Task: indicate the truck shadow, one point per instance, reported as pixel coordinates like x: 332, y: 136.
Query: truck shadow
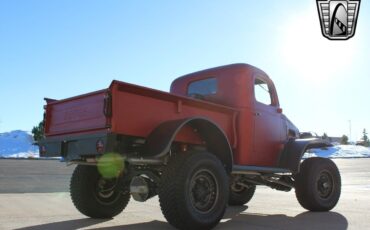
x: 306, y: 220
x: 235, y: 218
x: 69, y: 224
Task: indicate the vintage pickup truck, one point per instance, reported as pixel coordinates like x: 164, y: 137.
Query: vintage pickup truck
x: 201, y: 147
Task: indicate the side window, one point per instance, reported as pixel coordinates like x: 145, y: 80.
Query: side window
x: 261, y: 92
x: 203, y: 87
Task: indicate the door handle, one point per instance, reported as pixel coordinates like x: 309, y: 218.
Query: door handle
x: 257, y: 114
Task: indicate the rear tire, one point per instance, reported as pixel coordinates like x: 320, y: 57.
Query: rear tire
x: 95, y: 196
x: 193, y: 193
x: 318, y: 184
x: 241, y: 195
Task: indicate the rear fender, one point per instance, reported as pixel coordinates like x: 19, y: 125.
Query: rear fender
x: 294, y: 149
x: 159, y: 141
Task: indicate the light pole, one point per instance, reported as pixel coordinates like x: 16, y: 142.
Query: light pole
x: 350, y: 130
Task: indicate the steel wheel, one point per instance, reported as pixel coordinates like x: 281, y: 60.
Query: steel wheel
x: 106, y: 191
x: 325, y: 184
x: 204, y: 191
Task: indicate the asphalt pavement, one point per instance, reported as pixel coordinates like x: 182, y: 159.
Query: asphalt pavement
x: 34, y: 195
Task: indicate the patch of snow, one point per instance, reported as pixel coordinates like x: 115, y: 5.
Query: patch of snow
x: 18, y: 144
x: 340, y: 151
x: 309, y: 154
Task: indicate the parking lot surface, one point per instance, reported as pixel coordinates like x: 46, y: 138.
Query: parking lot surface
x: 34, y: 195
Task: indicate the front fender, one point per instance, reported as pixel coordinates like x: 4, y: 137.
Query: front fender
x: 294, y: 149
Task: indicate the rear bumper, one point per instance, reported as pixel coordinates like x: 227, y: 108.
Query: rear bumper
x: 77, y: 147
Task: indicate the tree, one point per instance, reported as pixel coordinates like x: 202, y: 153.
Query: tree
x: 365, y: 138
x: 344, y: 140
x: 38, y: 131
x: 325, y: 136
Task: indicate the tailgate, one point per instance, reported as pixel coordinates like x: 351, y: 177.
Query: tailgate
x: 77, y: 114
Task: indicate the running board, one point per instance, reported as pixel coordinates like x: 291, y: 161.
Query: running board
x: 256, y: 170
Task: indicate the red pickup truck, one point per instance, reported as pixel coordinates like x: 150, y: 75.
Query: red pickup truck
x: 203, y: 146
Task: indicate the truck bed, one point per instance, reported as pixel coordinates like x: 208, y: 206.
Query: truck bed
x: 131, y: 110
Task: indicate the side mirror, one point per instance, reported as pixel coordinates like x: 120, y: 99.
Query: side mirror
x: 279, y: 110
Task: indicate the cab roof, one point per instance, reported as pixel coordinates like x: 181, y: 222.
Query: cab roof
x: 227, y: 71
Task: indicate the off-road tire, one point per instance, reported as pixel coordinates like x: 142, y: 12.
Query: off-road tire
x: 238, y: 198
x: 88, y: 197
x: 318, y: 184
x: 193, y: 192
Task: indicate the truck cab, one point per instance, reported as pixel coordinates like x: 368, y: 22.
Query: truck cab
x: 262, y: 129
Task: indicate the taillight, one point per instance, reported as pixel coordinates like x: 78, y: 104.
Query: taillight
x: 42, y: 149
x: 100, y: 146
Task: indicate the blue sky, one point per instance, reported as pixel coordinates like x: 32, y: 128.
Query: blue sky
x: 59, y: 49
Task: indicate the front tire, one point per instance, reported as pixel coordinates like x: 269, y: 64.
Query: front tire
x: 193, y: 193
x: 318, y: 184
x: 95, y: 196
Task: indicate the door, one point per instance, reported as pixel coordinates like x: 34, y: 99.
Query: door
x: 267, y: 123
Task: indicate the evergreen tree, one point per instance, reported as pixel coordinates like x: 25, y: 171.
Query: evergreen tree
x: 38, y: 131
x: 344, y: 140
x: 365, y: 138
x: 325, y: 136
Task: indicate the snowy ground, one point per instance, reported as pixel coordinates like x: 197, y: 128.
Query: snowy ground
x: 19, y: 144
x: 340, y: 151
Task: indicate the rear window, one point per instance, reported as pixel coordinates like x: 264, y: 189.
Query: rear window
x: 203, y: 87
